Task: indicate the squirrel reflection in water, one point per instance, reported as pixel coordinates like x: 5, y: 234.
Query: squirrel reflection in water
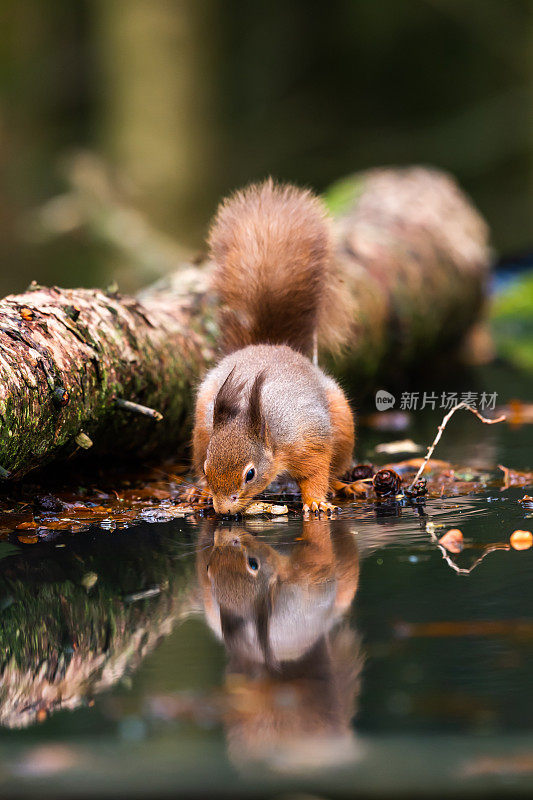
x: 293, y: 663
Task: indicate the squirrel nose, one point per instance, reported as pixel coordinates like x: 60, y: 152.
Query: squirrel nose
x: 224, y: 538
x: 226, y: 504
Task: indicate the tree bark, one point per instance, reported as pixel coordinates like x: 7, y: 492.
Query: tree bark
x: 415, y: 257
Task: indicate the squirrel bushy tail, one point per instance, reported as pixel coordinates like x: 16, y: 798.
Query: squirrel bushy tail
x: 275, y: 272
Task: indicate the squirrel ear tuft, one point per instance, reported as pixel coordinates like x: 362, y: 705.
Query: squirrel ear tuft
x: 226, y: 405
x: 231, y: 626
x: 255, y: 412
x: 263, y: 612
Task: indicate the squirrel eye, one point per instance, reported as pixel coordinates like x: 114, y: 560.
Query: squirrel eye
x: 253, y: 563
x: 250, y: 475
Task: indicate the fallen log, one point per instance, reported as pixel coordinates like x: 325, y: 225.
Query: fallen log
x: 88, y: 369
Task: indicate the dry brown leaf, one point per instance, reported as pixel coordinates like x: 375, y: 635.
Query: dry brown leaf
x: 28, y: 539
x: 452, y: 540
x: 521, y: 540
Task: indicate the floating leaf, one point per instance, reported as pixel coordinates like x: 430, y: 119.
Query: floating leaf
x: 521, y: 540
x: 28, y: 539
x: 452, y: 540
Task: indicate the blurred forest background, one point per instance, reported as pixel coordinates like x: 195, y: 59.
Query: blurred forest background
x: 122, y: 122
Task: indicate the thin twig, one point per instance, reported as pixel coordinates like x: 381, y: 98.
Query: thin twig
x: 467, y: 570
x: 441, y: 430
x: 127, y: 405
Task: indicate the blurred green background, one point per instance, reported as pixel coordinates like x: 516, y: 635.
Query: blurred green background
x: 122, y: 122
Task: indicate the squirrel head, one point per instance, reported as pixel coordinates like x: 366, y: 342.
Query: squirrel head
x: 240, y: 462
x: 243, y: 573
x: 242, y: 569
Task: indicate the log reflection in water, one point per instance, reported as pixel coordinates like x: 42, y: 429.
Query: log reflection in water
x: 63, y: 640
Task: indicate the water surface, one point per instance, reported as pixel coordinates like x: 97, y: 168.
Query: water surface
x: 358, y: 660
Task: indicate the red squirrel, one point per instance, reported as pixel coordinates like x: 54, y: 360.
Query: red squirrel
x: 265, y: 408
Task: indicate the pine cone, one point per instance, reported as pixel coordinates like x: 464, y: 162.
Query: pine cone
x: 358, y: 473
x: 418, y: 489
x: 386, y: 483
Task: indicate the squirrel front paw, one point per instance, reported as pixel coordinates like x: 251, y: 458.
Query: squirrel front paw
x: 320, y: 506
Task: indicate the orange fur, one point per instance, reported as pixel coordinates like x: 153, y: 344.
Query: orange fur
x: 276, y: 274
x: 308, y: 462
x: 201, y: 433
x: 314, y: 486
x: 316, y: 464
x: 342, y: 424
x: 272, y: 410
